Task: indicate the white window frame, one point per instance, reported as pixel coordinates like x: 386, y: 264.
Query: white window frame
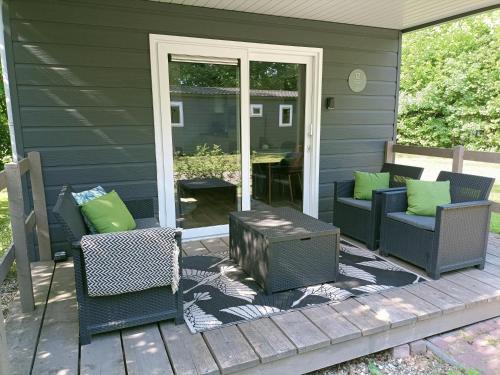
x: 163, y: 45
x: 285, y: 124
x: 179, y: 105
x: 261, y: 110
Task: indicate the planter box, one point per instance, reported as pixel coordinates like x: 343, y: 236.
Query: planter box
x: 282, y: 248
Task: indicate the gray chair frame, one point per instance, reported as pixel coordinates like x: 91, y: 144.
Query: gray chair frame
x: 460, y: 236
x: 103, y: 314
x: 361, y: 224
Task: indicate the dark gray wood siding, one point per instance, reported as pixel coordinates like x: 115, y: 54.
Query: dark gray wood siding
x: 82, y: 87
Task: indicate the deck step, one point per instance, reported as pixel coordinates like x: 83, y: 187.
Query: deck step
x: 188, y: 352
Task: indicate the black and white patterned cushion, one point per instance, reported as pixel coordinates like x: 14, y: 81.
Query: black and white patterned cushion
x: 124, y: 262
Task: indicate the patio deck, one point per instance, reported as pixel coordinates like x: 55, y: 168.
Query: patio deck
x: 46, y: 341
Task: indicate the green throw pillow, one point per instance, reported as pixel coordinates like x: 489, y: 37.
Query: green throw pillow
x: 425, y: 196
x: 108, y: 213
x: 365, y: 182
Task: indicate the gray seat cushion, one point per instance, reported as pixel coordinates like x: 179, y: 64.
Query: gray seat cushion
x: 424, y: 222
x: 149, y: 222
x: 365, y: 205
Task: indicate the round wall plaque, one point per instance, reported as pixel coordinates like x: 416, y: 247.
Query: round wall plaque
x: 357, y: 80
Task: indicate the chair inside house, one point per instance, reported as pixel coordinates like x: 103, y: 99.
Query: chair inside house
x: 117, y: 310
x: 360, y: 219
x: 456, y: 237
x: 288, y: 176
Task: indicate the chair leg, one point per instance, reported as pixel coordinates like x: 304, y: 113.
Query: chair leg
x: 433, y: 274
x: 85, y: 337
x: 290, y: 187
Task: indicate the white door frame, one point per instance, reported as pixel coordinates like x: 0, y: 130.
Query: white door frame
x: 163, y: 45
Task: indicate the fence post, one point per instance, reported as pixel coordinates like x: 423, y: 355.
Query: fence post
x: 390, y: 156
x: 17, y: 219
x: 4, y: 354
x: 39, y: 206
x: 458, y: 159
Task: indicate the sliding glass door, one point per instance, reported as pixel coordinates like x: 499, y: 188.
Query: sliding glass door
x: 234, y: 128
x: 277, y: 133
x: 206, y: 133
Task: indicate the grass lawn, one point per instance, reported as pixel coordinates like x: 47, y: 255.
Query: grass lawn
x: 5, y: 232
x: 495, y: 216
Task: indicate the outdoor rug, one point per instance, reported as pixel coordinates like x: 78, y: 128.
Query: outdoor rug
x: 218, y: 293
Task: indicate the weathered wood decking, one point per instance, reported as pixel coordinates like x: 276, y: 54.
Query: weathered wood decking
x: 46, y: 341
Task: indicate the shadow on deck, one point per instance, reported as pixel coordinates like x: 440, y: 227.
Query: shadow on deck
x: 46, y: 341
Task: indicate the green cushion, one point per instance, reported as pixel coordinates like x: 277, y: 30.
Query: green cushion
x: 365, y: 182
x: 425, y: 196
x: 108, y: 213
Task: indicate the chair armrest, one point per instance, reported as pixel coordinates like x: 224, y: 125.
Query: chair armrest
x: 394, y: 201
x: 343, y: 189
x: 463, y: 205
x: 76, y: 245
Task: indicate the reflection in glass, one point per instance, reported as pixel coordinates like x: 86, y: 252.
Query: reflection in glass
x: 207, y: 160
x: 277, y: 137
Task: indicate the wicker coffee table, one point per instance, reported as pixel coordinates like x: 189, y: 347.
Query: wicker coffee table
x: 282, y: 248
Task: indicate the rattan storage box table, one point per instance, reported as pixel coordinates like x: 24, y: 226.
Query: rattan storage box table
x: 282, y: 248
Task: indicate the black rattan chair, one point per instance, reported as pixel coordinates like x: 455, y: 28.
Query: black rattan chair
x: 360, y: 219
x: 456, y: 238
x: 102, y: 314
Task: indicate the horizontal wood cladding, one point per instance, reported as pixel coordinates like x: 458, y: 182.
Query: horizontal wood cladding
x: 83, y: 80
x: 334, y: 76
x: 129, y: 135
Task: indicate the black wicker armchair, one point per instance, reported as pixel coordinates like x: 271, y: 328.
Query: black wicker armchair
x: 102, y: 314
x: 360, y: 219
x: 456, y: 238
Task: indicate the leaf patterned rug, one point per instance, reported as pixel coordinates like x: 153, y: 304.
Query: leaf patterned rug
x: 218, y: 292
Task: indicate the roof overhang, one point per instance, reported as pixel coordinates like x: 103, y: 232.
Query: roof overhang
x: 405, y: 15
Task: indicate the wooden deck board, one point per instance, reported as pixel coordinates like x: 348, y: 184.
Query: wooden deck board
x: 103, y: 355
x: 188, y: 352
x: 361, y: 316
x: 267, y: 340
x: 442, y: 300
x: 22, y: 328
x: 493, y: 259
x: 492, y: 269
x: 387, y: 310
x: 485, y: 291
x: 332, y: 323
x: 301, y: 331
x: 145, y: 352
x: 456, y: 291
x: 484, y: 277
x: 57, y: 351
x: 192, y: 248
x: 215, y: 245
x: 231, y: 350
x: 411, y: 303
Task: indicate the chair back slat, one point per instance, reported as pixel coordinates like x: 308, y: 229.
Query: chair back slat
x: 467, y: 187
x: 400, y: 173
x: 68, y: 214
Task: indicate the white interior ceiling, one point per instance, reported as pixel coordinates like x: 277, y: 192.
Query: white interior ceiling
x: 392, y: 14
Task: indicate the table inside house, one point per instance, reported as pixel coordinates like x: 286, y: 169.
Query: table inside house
x: 205, y: 201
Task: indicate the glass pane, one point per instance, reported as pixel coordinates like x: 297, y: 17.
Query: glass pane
x: 175, y: 114
x: 207, y: 162
x: 277, y: 137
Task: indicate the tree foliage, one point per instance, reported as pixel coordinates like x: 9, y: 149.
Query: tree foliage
x: 450, y: 85
x: 5, y: 149
x: 263, y: 75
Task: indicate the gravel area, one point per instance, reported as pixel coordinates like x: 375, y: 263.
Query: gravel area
x: 382, y: 363
x: 8, y: 290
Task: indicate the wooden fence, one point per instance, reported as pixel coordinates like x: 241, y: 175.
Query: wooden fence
x: 22, y: 226
x: 458, y: 154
